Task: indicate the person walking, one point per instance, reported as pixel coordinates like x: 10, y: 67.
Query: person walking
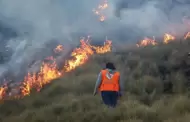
x: 109, y: 84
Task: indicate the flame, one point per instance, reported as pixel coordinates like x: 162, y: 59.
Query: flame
x: 80, y: 56
x: 58, y: 49
x: 49, y: 69
x: 102, y: 18
x: 168, y: 38
x: 146, y: 41
x: 100, y: 9
x: 48, y: 72
x: 187, y: 36
x: 103, y: 49
x: 2, y: 90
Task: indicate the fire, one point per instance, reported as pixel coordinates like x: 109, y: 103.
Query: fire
x: 2, y: 90
x: 168, y: 38
x: 58, y: 49
x: 187, y: 36
x: 80, y: 56
x: 146, y: 41
x: 102, y: 18
x: 48, y: 72
x: 49, y: 69
x: 103, y: 49
x: 100, y: 9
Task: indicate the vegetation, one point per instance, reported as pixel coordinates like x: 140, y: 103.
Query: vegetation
x: 156, y: 90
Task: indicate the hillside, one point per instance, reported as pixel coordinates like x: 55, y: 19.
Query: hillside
x: 156, y: 90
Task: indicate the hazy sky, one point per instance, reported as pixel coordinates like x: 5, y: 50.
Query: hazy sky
x: 48, y: 19
x: 40, y: 21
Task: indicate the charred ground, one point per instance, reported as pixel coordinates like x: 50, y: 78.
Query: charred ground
x: 156, y: 90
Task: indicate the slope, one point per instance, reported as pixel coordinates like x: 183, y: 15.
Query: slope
x: 156, y: 90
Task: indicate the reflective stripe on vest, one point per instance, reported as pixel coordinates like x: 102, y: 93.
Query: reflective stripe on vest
x: 110, y: 82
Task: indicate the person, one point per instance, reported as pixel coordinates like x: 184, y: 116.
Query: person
x: 109, y: 84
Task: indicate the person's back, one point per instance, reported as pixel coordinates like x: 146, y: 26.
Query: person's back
x: 108, y: 83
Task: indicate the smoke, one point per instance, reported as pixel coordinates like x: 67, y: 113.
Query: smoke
x: 39, y: 25
x: 45, y: 19
x: 154, y: 17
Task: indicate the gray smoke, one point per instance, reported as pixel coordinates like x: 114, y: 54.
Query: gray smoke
x: 155, y: 17
x: 30, y: 29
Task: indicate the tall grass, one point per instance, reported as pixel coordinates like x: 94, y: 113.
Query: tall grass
x: 156, y: 90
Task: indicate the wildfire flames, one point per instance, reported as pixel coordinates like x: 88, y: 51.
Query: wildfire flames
x: 1, y: 92
x: 100, y: 9
x: 167, y: 38
x: 49, y: 70
x: 79, y: 56
x: 187, y: 35
x: 58, y: 49
x: 147, y: 41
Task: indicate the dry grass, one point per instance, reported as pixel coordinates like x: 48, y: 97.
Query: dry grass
x: 146, y: 73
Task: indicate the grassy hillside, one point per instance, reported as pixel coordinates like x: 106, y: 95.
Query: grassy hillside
x: 156, y: 90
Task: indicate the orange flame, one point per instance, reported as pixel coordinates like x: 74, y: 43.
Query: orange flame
x: 49, y: 70
x: 100, y: 9
x: 168, y: 38
x: 80, y: 56
x: 187, y: 36
x: 102, y: 18
x: 2, y: 90
x: 36, y: 81
x: 103, y: 49
x: 58, y: 49
x: 146, y: 41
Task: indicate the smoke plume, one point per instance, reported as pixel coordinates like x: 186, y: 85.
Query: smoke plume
x: 30, y: 29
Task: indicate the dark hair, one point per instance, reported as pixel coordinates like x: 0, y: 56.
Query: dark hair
x: 110, y: 65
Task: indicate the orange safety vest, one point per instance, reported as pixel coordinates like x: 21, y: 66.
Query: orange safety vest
x: 109, y: 83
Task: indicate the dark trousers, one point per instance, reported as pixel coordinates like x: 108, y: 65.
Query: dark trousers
x: 110, y: 98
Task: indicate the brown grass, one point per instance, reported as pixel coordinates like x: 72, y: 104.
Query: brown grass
x: 147, y: 98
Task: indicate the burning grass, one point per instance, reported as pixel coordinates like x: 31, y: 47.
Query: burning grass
x: 156, y: 80
x: 49, y: 70
x: 99, y: 10
x: 156, y: 90
x: 166, y: 39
